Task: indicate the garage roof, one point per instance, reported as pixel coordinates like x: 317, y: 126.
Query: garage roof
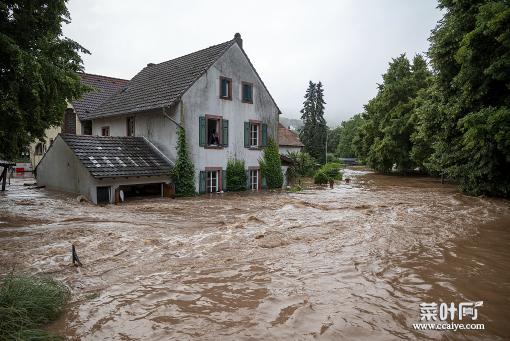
x: 110, y: 156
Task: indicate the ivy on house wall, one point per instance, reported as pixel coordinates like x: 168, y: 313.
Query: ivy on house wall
x: 184, y: 170
x: 270, y: 166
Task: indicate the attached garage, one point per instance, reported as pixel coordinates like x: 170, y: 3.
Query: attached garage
x: 105, y: 168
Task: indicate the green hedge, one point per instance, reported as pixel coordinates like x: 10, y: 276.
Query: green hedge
x: 236, y: 175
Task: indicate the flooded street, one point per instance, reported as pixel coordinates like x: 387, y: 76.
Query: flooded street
x: 350, y: 263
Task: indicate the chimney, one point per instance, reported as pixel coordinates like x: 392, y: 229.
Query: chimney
x: 237, y: 37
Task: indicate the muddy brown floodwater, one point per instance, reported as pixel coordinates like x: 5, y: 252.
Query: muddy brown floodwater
x: 351, y: 263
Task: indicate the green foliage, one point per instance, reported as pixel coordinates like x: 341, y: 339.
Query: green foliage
x: 293, y: 188
x: 345, y: 146
x: 184, y: 171
x: 28, y: 301
x: 464, y: 119
x: 320, y: 177
x: 332, y: 170
x: 236, y: 175
x: 314, y: 132
x: 270, y: 165
x: 37, y: 71
x: 303, y: 163
x: 385, y: 138
x: 92, y: 296
x: 334, y: 139
x: 333, y: 159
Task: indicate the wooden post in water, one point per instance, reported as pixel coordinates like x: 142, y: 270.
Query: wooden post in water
x: 75, y: 258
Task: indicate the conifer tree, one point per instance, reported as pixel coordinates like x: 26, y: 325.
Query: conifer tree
x: 314, y: 132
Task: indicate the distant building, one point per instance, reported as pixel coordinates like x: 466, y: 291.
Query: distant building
x: 76, y: 116
x: 288, y: 141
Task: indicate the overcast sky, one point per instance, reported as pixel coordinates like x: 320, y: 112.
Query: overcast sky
x: 345, y: 44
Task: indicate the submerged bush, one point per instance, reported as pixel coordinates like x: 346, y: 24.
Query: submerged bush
x: 320, y: 177
x: 236, y: 175
x: 332, y: 170
x: 270, y: 165
x: 28, y: 301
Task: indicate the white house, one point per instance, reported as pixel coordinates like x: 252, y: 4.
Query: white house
x: 288, y: 141
x: 216, y: 89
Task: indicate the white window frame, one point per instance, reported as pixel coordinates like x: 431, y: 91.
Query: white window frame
x: 254, y: 179
x: 254, y: 134
x: 212, y: 182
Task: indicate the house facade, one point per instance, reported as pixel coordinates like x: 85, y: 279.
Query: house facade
x: 75, y: 119
x: 215, y: 90
x: 288, y: 141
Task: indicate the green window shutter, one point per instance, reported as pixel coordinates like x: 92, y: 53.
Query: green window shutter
x: 202, y: 186
x: 264, y: 136
x: 249, y: 93
x: 264, y: 182
x: 224, y: 88
x: 224, y: 180
x: 246, y: 134
x: 202, y: 136
x: 248, y: 181
x: 224, y: 133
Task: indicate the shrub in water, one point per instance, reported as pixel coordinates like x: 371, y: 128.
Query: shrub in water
x: 332, y: 170
x: 236, y: 175
x: 270, y: 166
x: 27, y: 301
x: 320, y: 177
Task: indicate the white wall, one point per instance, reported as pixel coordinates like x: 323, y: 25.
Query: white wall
x: 61, y: 169
x: 284, y: 150
x: 200, y: 100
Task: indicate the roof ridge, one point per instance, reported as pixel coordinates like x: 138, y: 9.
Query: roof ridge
x: 191, y: 67
x: 187, y: 55
x: 92, y: 74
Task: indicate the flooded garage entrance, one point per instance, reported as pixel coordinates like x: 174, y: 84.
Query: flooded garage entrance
x: 353, y: 262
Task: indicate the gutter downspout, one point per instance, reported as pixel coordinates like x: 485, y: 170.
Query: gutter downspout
x: 171, y: 119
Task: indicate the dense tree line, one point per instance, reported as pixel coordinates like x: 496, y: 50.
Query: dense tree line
x: 455, y: 119
x: 37, y: 71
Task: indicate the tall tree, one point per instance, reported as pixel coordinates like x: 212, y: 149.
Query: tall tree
x: 333, y: 139
x: 345, y: 146
x: 314, y: 132
x: 466, y: 116
x: 37, y: 71
x: 385, y: 138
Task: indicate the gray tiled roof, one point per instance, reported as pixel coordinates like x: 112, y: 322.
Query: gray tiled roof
x: 108, y: 157
x: 92, y: 100
x: 160, y: 85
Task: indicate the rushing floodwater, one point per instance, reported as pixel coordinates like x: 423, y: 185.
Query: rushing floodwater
x: 351, y: 263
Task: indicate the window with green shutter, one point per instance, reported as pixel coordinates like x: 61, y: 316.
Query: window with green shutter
x: 247, y: 134
x: 264, y: 135
x: 224, y: 133
x: 202, y: 136
x: 226, y: 88
x: 202, y: 183
x: 247, y: 92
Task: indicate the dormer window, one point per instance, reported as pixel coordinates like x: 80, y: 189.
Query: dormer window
x: 247, y: 92
x: 226, y: 88
x: 130, y: 126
